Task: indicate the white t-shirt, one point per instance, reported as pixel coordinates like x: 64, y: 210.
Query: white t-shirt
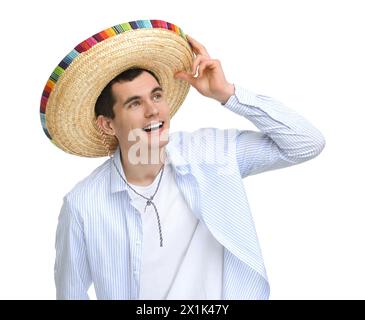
x: 190, y: 263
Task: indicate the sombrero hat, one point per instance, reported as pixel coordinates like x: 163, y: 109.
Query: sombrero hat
x: 68, y: 101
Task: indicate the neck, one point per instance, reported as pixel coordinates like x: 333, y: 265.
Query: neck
x: 141, y: 174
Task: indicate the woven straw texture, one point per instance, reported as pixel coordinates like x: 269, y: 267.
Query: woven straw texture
x: 68, y: 100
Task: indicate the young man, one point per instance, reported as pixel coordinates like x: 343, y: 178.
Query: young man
x: 176, y: 225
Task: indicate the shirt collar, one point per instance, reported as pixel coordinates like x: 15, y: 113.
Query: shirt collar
x: 173, y: 157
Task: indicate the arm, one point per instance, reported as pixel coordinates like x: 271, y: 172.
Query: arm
x: 72, y: 274
x: 285, y: 139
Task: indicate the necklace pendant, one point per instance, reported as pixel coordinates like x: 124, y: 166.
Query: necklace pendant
x: 148, y: 203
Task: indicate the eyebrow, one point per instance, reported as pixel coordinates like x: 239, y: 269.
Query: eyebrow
x: 130, y: 99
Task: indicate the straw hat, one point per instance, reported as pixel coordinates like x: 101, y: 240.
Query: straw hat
x: 69, y: 97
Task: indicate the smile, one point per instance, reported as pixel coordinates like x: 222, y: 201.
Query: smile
x: 154, y: 126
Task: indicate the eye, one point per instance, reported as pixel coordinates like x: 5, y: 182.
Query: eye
x: 134, y: 104
x: 157, y: 97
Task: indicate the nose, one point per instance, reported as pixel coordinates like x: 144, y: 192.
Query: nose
x: 151, y: 109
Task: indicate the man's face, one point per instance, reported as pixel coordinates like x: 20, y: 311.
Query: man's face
x: 141, y: 113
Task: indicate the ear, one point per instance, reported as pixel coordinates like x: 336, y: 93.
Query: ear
x: 105, y: 124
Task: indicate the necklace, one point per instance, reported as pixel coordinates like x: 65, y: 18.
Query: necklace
x: 149, y: 201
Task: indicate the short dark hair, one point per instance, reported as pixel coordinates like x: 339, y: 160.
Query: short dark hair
x: 106, y: 100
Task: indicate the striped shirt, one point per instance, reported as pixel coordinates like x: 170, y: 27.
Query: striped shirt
x: 99, y: 233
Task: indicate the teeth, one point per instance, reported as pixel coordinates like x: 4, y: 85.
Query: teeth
x: 153, y: 126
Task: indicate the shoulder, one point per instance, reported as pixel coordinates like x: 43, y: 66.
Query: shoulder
x: 96, y: 183
x: 205, y: 146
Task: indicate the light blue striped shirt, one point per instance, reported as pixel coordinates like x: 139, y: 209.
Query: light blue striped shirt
x: 99, y: 234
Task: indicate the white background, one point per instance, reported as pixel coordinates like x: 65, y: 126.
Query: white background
x: 308, y: 54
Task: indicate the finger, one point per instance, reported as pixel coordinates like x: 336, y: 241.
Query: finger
x: 197, y: 61
x: 197, y: 47
x: 182, y: 75
x: 207, y: 64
